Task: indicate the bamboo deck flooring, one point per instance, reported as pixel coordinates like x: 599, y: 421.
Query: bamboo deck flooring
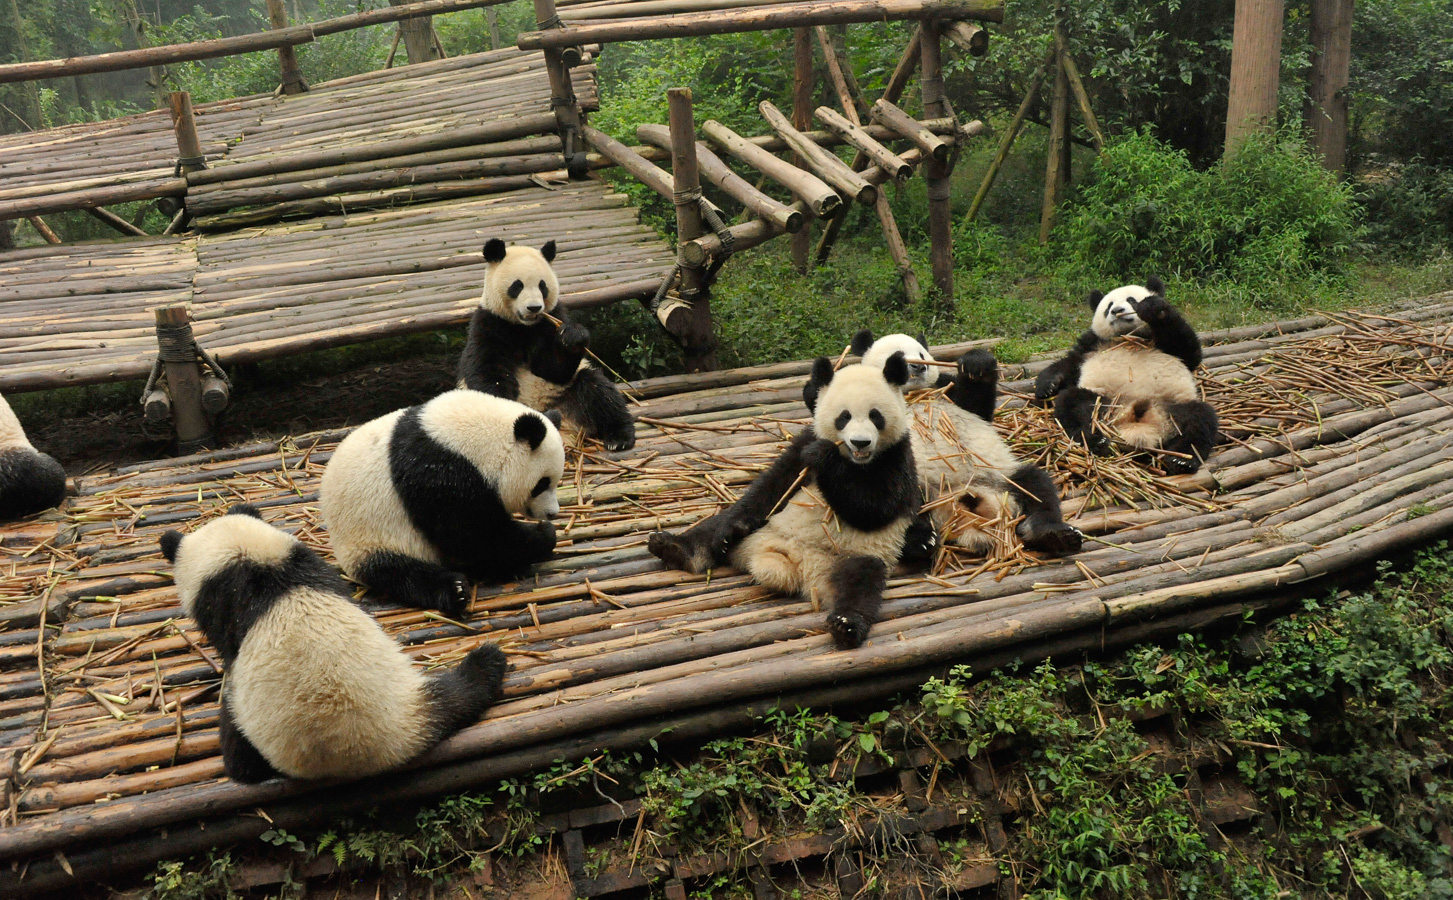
x: 1340, y: 451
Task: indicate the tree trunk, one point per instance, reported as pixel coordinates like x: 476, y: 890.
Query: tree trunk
x: 802, y: 94
x: 1255, y: 69
x: 418, y: 35
x: 1327, y: 87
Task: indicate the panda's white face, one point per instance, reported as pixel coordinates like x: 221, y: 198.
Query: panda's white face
x: 919, y: 376
x: 520, y: 447
x: 234, y: 538
x: 519, y: 284
x: 1115, y: 316
x: 862, y: 411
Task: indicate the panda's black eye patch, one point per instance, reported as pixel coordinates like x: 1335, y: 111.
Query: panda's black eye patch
x: 541, y: 487
x: 843, y: 418
x: 544, y: 290
x: 516, y: 288
x: 877, y: 419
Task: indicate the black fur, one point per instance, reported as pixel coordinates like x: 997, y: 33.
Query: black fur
x: 30, y: 481
x: 458, y: 511
x: 498, y: 349
x: 242, y: 762
x: 415, y: 582
x: 1074, y: 409
x: 1043, y: 528
x: 1199, y: 428
x: 920, y: 541
x: 530, y: 429
x: 459, y: 696
x: 1169, y: 329
x: 862, y: 341
x: 857, y: 585
x: 1065, y: 372
x: 821, y: 377
x: 494, y: 250
x: 868, y: 496
x: 975, y: 388
x: 895, y: 370
x: 712, y: 539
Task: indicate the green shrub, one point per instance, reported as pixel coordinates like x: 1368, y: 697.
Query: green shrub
x: 1266, y: 214
x: 1410, y: 210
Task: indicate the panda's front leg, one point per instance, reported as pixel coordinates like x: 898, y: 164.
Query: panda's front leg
x: 1074, y: 409
x: 1198, y: 428
x: 1044, y: 529
x: 242, y: 762
x: 856, y: 586
x: 415, y: 582
x: 976, y: 387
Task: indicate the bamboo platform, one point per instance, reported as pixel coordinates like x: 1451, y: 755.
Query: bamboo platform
x: 1339, y: 453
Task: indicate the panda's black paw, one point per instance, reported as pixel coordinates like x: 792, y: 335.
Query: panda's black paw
x: 620, y: 439
x: 979, y: 365
x: 453, y: 601
x: 671, y: 550
x: 574, y: 336
x: 1052, y: 539
x: 485, y: 666
x: 1099, y: 445
x: 1151, y: 309
x: 819, y: 452
x: 920, y: 543
x: 849, y: 630
x: 1179, y: 465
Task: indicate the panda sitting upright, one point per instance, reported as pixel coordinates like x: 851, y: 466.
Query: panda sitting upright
x: 314, y: 688
x: 958, y: 452
x: 514, y: 351
x: 1136, y: 367
x: 421, y: 499
x: 30, y: 481
x: 836, y: 536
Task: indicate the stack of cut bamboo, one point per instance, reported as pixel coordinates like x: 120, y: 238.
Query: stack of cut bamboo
x: 111, y: 712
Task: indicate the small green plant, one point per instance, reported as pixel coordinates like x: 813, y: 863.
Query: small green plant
x: 280, y: 838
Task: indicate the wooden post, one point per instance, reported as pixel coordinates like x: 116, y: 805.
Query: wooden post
x: 1059, y: 107
x: 801, y: 118
x: 1005, y: 143
x: 292, y: 76
x: 936, y: 172
x: 1255, y: 69
x: 189, y: 146
x: 562, y: 94
x: 491, y: 18
x: 1327, y: 90
x: 178, y: 353
x: 39, y: 225
x: 690, y: 321
x: 418, y: 35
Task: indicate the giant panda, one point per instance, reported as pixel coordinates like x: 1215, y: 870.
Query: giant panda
x: 514, y: 351
x: 421, y: 499
x: 835, y: 537
x: 30, y: 481
x: 314, y: 688
x: 958, y: 452
x: 1134, y: 371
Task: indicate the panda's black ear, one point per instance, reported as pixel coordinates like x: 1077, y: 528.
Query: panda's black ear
x: 896, y: 369
x: 548, y: 251
x: 494, y: 250
x: 530, y: 428
x: 1155, y: 285
x: 169, y: 544
x: 244, y: 509
x: 923, y: 340
x: 1094, y: 299
x: 554, y: 416
x: 861, y: 342
x: 821, y: 377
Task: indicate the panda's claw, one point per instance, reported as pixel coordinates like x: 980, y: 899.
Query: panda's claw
x: 1057, y: 539
x: 574, y: 336
x: 454, y: 602
x: 848, y: 631
x: 1179, y: 465
x: 979, y: 365
x: 1151, y: 308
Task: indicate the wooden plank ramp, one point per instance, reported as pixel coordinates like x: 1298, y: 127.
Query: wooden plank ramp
x: 1338, y: 453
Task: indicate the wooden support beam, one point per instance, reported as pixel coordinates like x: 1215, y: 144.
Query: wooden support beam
x: 689, y: 320
x: 973, y: 39
x: 763, y: 18
x: 568, y: 117
x: 821, y: 200
x: 1054, y: 174
x: 838, y: 72
x: 418, y: 36
x: 1006, y: 142
x: 945, y: 128
x: 886, y: 113
x: 802, y: 89
x: 292, y: 76
x: 822, y: 162
x: 645, y: 171
x: 787, y: 218
x: 178, y: 352
x: 184, y: 124
x: 45, y: 231
x: 937, y: 169
x: 1082, y: 98
x: 853, y: 134
x: 115, y: 221
x: 907, y: 65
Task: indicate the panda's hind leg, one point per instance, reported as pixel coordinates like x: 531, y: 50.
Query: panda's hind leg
x: 856, y: 585
x: 459, y: 696
x: 1044, y: 528
x: 1074, y: 409
x: 30, y: 481
x: 242, y: 762
x: 599, y: 409
x: 415, y: 582
x: 1197, y: 425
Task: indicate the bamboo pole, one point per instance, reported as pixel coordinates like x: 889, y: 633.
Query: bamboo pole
x: 1054, y: 176
x: 764, y: 18
x: 888, y: 114
x: 938, y: 170
x: 820, y: 199
x: 183, y: 378
x: 115, y: 221
x: 783, y: 217
x: 43, y: 229
x: 823, y: 163
x: 1082, y: 98
x: 690, y: 322
x: 853, y: 134
x: 802, y: 84
x: 973, y: 39
x: 292, y: 76
x: 1005, y: 143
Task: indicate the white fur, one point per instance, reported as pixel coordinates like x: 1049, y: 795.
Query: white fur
x: 528, y: 266
x: 958, y: 454
x: 539, y: 393
x: 11, y: 434
x: 859, y: 390
x: 362, y: 509
x: 1139, y: 381
x: 317, y: 686
x: 920, y: 376
x: 1114, y: 316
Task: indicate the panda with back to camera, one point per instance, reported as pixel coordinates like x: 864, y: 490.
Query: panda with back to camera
x: 850, y: 520
x: 1135, y: 368
x: 423, y: 499
x: 514, y: 351
x: 30, y: 481
x: 314, y: 688
x: 958, y: 451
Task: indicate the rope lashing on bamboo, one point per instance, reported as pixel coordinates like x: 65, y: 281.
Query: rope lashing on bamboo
x: 175, y: 343
x: 185, y: 161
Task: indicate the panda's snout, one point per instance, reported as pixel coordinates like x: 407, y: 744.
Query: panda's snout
x: 534, y: 308
x: 860, y: 443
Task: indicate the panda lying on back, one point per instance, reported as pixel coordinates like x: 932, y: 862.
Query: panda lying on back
x: 314, y: 688
x: 514, y: 351
x: 422, y: 499
x: 30, y: 481
x: 837, y: 535
x: 1136, y: 367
